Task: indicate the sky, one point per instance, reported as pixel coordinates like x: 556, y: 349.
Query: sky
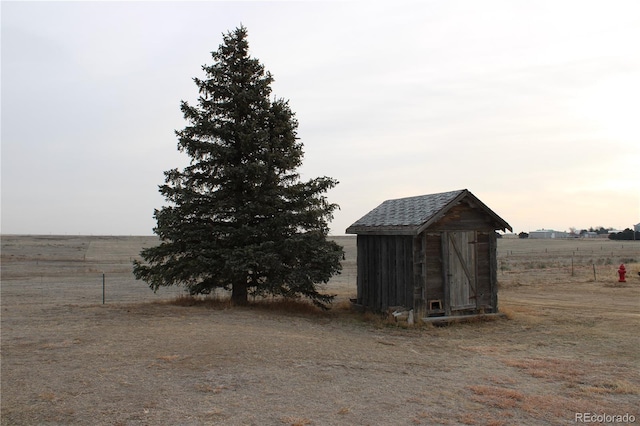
x: 532, y: 106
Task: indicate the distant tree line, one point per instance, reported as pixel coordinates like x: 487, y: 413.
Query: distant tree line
x: 598, y: 230
x: 627, y: 234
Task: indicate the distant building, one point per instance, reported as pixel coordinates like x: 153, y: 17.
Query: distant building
x: 548, y: 233
x: 636, y: 227
x: 510, y: 236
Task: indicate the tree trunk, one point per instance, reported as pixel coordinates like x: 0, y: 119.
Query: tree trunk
x: 239, y: 294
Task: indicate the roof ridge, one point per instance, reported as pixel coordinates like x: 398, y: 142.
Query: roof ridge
x: 458, y: 191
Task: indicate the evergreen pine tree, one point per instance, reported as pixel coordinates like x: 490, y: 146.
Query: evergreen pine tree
x: 239, y: 216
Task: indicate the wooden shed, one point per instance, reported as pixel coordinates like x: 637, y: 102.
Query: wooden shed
x: 435, y: 254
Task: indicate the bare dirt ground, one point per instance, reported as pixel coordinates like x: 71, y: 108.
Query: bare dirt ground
x: 570, y: 345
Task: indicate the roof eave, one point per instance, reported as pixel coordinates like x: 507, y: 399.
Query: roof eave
x: 381, y: 230
x: 500, y: 222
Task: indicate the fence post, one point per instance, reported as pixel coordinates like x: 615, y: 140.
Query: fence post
x: 103, y: 288
x: 572, y: 266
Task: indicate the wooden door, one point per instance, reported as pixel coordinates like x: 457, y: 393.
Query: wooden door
x: 462, y: 270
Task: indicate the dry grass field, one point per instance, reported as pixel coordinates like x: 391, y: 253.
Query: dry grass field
x: 570, y: 344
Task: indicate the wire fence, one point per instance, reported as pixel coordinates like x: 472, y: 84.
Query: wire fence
x: 563, y: 252
x: 88, y: 288
x: 558, y: 260
x: 96, y: 270
x: 74, y: 270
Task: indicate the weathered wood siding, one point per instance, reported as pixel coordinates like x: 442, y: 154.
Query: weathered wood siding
x: 434, y: 291
x: 486, y: 246
x: 419, y: 273
x: 463, y: 217
x: 385, y: 271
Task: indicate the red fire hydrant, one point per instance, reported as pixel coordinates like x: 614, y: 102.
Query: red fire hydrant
x: 622, y: 272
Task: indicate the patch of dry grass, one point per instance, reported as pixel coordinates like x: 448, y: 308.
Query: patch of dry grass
x: 221, y: 302
x: 508, y: 313
x: 185, y: 300
x: 497, y: 397
x: 482, y: 350
x: 296, y: 421
x: 343, y: 305
x: 205, y: 388
x: 502, y: 380
x: 549, y: 406
x: 617, y: 284
x: 615, y: 386
x: 169, y: 358
x: 527, y: 315
x: 551, y: 369
x: 287, y: 305
x: 587, y: 378
x: 509, y: 400
x: 48, y: 396
x: 483, y: 418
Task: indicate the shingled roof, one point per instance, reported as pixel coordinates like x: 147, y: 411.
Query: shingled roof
x: 411, y: 215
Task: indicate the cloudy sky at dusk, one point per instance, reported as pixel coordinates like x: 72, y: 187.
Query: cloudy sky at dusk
x: 532, y: 106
